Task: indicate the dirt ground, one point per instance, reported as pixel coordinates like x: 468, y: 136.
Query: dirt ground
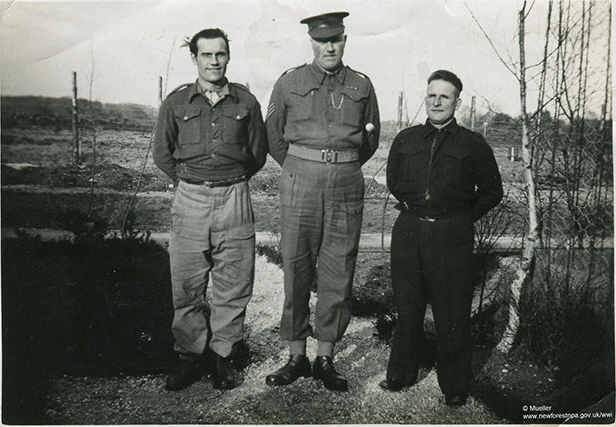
x: 361, y: 356
x: 42, y: 182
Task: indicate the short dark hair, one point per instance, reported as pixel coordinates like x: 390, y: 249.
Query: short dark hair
x: 208, y: 33
x: 448, y: 76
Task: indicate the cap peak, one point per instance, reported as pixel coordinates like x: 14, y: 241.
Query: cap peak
x: 325, y: 25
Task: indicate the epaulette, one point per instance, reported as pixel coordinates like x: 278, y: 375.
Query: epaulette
x: 180, y: 87
x: 362, y: 75
x: 293, y: 69
x: 410, y: 128
x: 240, y: 86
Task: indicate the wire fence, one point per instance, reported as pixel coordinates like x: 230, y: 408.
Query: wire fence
x: 574, y: 170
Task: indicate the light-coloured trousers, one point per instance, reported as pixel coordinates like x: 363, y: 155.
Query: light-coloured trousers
x: 212, y: 235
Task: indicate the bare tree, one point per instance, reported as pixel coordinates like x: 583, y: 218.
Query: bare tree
x: 568, y: 152
x: 92, y: 128
x: 127, y: 212
x: 524, y: 272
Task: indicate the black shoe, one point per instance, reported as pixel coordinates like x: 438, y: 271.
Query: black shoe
x: 456, y: 399
x: 394, y: 385
x: 323, y: 369
x: 224, y: 376
x: 189, y: 370
x: 297, y: 366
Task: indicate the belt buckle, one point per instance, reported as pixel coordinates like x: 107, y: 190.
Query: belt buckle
x: 329, y: 156
x: 427, y: 219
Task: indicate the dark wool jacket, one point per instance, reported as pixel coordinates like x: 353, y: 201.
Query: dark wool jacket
x: 441, y: 173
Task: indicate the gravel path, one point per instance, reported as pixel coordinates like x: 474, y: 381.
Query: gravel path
x: 360, y: 356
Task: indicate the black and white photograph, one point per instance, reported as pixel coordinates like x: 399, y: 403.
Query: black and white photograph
x: 286, y: 212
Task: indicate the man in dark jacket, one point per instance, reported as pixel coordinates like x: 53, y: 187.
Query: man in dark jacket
x: 445, y: 178
x: 210, y: 139
x: 322, y: 125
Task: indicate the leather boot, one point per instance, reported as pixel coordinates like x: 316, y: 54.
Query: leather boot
x: 189, y: 370
x: 394, y: 385
x: 224, y: 376
x: 297, y: 366
x: 323, y: 369
x: 456, y: 399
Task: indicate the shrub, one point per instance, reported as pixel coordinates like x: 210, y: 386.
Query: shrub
x: 265, y: 183
x: 91, y: 305
x: 563, y: 325
x: 272, y: 253
x: 374, y: 297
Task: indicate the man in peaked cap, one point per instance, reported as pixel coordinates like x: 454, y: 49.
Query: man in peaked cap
x: 210, y: 139
x: 323, y: 124
x: 326, y: 25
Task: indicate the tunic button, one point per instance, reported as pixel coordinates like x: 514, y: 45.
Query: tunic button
x: 185, y: 118
x: 213, y: 124
x: 237, y: 117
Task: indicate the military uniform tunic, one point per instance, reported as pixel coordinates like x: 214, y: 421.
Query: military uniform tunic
x: 321, y: 201
x: 199, y: 141
x: 210, y: 150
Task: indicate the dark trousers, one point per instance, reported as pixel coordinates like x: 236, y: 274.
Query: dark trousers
x: 321, y: 208
x: 431, y: 261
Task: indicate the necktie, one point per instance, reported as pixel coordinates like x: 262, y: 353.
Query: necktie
x: 212, y: 95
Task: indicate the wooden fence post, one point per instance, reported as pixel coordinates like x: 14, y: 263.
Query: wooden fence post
x: 76, y: 143
x: 473, y: 113
x: 160, y: 90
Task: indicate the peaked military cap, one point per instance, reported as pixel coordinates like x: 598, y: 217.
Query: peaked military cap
x: 326, y: 25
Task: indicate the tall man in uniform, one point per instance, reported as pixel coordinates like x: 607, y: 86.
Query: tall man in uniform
x: 210, y: 139
x: 322, y: 124
x: 445, y: 178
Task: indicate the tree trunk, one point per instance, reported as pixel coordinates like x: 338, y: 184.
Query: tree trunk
x: 525, y: 271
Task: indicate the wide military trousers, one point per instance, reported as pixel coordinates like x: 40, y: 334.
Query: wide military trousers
x: 321, y: 212
x: 431, y: 261
x: 212, y: 234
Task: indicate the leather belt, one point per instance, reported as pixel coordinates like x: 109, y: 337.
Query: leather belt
x: 325, y: 156
x: 214, y: 184
x: 403, y: 206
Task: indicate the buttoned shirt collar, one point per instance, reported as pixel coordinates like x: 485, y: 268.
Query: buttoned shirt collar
x: 451, y: 128
x: 320, y: 74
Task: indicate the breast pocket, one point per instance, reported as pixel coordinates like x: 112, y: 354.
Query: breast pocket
x: 189, y: 125
x: 413, y: 162
x: 353, y: 106
x: 458, y: 164
x: 301, y: 105
x: 236, y: 120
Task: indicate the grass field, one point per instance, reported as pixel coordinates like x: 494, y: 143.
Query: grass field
x: 43, y: 157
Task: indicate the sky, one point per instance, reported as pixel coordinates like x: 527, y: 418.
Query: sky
x: 120, y: 48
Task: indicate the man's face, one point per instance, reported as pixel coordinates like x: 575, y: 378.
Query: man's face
x: 328, y: 52
x: 441, y: 101
x: 212, y: 59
